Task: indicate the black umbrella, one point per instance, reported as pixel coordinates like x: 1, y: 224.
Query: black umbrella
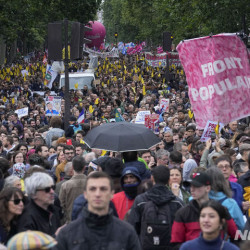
x: 121, y: 137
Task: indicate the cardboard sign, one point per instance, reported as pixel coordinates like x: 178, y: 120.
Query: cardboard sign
x: 218, y: 75
x: 151, y: 121
x: 22, y: 112
x: 209, y: 129
x: 164, y: 105
x: 140, y: 118
x: 53, y: 105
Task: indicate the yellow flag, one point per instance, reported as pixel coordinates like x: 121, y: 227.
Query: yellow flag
x: 24, y: 79
x: 142, y: 81
x: 103, y: 152
x: 164, y: 79
x: 91, y: 109
x: 4, y: 99
x: 76, y: 85
x: 124, y: 78
x: 13, y: 100
x: 159, y: 63
x: 217, y: 128
x: 147, y: 69
x: 96, y: 101
x: 103, y: 84
x: 152, y: 74
x: 190, y: 114
x: 82, y: 141
x: 139, y: 78
x: 108, y: 82
x: 137, y: 58
x: 159, y: 75
x: 143, y: 90
x: 115, y: 78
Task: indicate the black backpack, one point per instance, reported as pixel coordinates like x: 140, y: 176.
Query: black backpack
x: 156, y: 226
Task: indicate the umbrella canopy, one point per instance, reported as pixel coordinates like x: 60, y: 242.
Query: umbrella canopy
x: 121, y: 137
x: 31, y: 240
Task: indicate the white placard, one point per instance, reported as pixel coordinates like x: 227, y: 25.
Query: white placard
x: 22, y: 112
x: 164, y: 105
x: 140, y: 118
x: 209, y: 129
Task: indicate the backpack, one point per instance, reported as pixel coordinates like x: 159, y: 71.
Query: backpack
x: 75, y: 128
x: 156, y: 226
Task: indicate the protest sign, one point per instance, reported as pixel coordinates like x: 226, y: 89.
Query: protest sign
x: 150, y: 121
x: 22, y: 112
x: 140, y: 118
x: 156, y: 60
x: 53, y: 105
x: 164, y: 105
x: 218, y: 75
x: 209, y: 129
x: 50, y: 76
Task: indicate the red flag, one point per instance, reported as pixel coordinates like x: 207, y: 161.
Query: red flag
x: 44, y: 59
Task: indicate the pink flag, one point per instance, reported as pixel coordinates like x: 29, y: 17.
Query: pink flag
x: 218, y: 76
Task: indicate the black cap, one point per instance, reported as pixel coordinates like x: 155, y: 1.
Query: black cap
x: 72, y: 119
x: 200, y: 179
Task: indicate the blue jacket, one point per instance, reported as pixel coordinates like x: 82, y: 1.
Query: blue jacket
x: 81, y: 202
x: 232, y: 207
x: 201, y: 243
x: 237, y: 193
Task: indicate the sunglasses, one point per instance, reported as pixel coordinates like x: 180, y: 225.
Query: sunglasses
x: 17, y: 201
x: 47, y: 189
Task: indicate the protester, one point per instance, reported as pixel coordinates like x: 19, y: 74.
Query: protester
x: 220, y: 191
x: 186, y: 222
x: 130, y: 180
x: 40, y: 214
x: 212, y: 222
x: 155, y: 231
x: 11, y: 206
x: 72, y: 188
x: 175, y: 184
x: 97, y: 227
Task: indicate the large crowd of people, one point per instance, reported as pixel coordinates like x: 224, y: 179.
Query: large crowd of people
x: 179, y: 194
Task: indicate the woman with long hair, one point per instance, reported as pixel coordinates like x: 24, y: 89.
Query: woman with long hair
x: 212, y: 223
x: 175, y: 184
x: 221, y: 192
x: 11, y: 206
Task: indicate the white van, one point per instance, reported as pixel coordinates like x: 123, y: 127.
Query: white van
x: 78, y: 79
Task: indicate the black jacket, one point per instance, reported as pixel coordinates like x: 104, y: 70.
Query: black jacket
x: 244, y: 180
x: 160, y: 195
x: 36, y: 218
x: 94, y: 232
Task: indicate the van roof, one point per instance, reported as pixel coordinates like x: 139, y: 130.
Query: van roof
x: 78, y: 74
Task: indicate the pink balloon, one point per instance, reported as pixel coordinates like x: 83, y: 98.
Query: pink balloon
x: 97, y: 34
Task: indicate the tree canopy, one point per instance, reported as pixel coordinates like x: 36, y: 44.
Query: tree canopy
x: 146, y: 20
x: 26, y: 20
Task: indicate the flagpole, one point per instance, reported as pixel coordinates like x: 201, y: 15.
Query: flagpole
x: 66, y: 92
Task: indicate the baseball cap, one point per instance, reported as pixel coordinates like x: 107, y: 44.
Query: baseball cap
x: 200, y: 179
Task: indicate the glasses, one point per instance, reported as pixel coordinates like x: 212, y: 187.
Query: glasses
x: 17, y: 201
x: 47, y: 189
x: 224, y: 167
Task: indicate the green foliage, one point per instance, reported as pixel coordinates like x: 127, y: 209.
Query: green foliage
x: 138, y: 20
x: 27, y: 20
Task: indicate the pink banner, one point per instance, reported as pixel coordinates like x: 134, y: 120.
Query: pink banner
x: 218, y: 75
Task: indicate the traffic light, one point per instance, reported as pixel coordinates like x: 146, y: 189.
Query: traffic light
x: 167, y: 41
x: 78, y: 39
x: 55, y: 41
